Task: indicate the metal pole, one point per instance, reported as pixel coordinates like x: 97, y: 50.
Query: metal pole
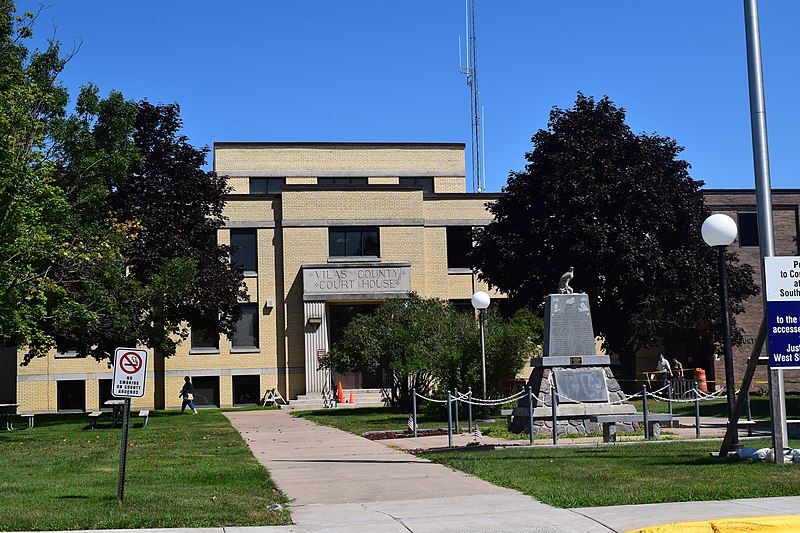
x: 455, y: 403
x: 530, y: 412
x: 414, y: 411
x: 749, y: 413
x: 469, y: 410
x: 449, y: 420
x: 644, y: 412
x: 483, y: 366
x: 123, y: 449
x: 554, y: 403
x: 669, y: 404
x: 758, y: 126
x: 696, y: 411
x: 730, y: 387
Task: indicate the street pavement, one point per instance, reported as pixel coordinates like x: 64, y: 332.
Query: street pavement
x: 343, y: 482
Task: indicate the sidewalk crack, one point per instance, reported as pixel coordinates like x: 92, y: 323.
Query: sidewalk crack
x: 399, y: 521
x: 594, y: 520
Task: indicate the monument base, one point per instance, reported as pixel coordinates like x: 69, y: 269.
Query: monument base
x: 573, y: 416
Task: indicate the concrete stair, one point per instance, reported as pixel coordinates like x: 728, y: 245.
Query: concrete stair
x: 362, y: 397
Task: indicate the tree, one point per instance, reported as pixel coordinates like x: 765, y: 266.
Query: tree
x: 108, y: 220
x: 45, y: 249
x: 624, y: 210
x: 426, y: 345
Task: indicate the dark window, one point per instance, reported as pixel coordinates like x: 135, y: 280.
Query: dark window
x: 206, y: 391
x: 246, y: 335
x: 427, y: 183
x: 748, y: 229
x: 266, y: 185
x: 245, y: 252
x: 354, y: 242
x: 342, y: 181
x: 104, y: 386
x: 246, y: 390
x: 459, y: 245
x: 71, y: 395
x: 202, y: 339
x: 463, y: 305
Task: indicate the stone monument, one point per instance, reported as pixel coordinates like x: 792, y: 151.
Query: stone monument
x: 583, y: 379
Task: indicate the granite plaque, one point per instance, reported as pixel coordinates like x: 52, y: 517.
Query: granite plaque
x: 581, y: 384
x: 568, y: 326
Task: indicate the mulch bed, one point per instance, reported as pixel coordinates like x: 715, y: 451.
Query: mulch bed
x: 403, y: 434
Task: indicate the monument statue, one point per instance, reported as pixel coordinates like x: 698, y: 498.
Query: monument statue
x: 563, y: 283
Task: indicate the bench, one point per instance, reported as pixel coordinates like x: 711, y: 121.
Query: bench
x: 30, y: 420
x: 751, y: 423
x: 610, y: 422
x: 93, y: 416
x: 146, y: 415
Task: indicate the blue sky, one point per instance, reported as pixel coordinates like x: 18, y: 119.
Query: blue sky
x: 388, y: 70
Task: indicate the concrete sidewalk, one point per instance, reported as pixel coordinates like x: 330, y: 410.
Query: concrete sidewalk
x: 343, y: 482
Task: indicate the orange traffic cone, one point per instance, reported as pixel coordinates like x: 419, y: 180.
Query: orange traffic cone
x: 352, y: 399
x: 339, y: 393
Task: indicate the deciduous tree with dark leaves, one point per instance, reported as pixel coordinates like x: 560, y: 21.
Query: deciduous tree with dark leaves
x: 622, y: 209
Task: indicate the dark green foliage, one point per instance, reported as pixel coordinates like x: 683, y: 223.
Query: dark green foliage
x: 425, y: 344
x: 624, y: 211
x: 108, y: 221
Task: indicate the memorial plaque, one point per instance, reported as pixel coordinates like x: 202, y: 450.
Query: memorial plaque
x: 568, y: 326
x: 581, y: 384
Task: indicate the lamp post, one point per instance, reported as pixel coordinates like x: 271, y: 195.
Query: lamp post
x: 719, y: 231
x: 480, y: 301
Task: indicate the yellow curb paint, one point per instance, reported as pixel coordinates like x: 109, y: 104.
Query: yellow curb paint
x: 770, y: 524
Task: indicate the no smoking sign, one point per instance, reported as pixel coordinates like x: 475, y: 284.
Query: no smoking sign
x: 130, y: 373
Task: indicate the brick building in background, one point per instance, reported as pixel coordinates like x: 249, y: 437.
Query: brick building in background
x: 740, y: 204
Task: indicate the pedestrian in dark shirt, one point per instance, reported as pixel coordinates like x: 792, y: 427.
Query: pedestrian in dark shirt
x: 187, y: 393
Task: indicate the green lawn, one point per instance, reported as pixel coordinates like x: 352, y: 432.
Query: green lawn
x: 626, y: 474
x: 183, y: 471
x: 362, y: 420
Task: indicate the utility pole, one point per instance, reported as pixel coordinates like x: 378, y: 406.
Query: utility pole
x: 758, y: 125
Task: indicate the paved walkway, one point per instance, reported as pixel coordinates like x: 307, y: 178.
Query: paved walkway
x: 342, y: 482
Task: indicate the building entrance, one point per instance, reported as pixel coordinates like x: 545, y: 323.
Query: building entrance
x: 340, y: 316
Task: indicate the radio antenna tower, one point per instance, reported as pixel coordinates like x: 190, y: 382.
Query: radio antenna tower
x: 470, y: 71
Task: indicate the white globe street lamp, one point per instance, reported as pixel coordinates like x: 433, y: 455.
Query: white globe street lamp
x: 480, y: 301
x: 719, y: 231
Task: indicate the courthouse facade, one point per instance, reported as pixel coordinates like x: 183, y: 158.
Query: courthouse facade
x: 324, y: 231
x: 329, y: 230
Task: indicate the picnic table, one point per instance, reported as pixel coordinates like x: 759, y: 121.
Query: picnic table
x: 117, y: 405
x: 7, y: 411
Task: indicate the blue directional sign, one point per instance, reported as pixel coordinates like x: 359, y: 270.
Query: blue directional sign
x: 783, y: 311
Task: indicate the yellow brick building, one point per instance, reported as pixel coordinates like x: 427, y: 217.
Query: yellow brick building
x: 324, y: 230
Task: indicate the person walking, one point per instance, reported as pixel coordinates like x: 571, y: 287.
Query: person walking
x: 664, y: 369
x: 187, y: 393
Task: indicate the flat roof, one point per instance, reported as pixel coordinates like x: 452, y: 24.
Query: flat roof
x: 297, y: 144
x: 747, y: 191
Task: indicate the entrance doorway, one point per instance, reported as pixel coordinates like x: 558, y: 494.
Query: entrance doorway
x: 339, y: 317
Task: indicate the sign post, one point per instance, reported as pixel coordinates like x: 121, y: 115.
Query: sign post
x: 130, y: 379
x: 783, y: 328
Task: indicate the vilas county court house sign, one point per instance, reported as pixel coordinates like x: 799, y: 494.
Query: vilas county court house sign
x: 331, y: 282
